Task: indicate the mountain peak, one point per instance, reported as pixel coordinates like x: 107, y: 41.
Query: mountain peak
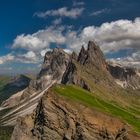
x: 92, y: 46
x: 56, y: 50
x: 82, y: 55
x: 55, y: 63
x: 93, y: 55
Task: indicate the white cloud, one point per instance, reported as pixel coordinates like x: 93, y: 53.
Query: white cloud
x: 43, y: 52
x: 57, y: 21
x: 40, y: 39
x: 68, y: 51
x: 76, y: 3
x: 111, y: 37
x: 28, y: 57
x: 96, y: 13
x: 114, y: 36
x: 62, y: 12
x: 28, y: 42
x: 6, y: 58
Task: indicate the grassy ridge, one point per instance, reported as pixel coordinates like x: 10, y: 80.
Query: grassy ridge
x: 5, y: 132
x: 130, y: 116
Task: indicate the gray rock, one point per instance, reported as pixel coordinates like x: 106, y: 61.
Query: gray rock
x: 57, y: 119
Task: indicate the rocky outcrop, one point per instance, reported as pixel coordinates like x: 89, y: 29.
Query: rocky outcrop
x: 25, y: 101
x: 126, y: 77
x: 55, y: 63
x: 93, y: 55
x: 53, y: 67
x: 56, y: 118
x: 89, y: 68
x: 71, y: 76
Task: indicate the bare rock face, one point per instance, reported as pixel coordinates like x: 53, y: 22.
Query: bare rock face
x: 71, y: 76
x: 93, y: 55
x: 54, y: 65
x: 126, y: 77
x: 55, y: 59
x: 56, y: 118
x: 89, y: 67
x: 24, y: 102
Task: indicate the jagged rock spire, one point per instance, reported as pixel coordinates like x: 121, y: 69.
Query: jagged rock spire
x: 93, y: 55
x: 82, y: 55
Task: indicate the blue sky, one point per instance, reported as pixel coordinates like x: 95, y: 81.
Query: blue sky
x: 28, y: 28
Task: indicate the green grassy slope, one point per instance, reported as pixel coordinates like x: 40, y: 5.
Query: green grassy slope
x: 5, y: 132
x: 4, y: 93
x: 3, y: 81
x: 129, y: 115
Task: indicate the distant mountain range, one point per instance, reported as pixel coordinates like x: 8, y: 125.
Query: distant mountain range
x: 75, y: 97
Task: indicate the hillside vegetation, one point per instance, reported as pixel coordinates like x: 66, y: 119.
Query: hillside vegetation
x: 129, y: 115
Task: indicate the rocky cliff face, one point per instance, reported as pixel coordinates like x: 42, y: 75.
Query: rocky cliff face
x: 89, y: 68
x: 54, y: 66
x: 56, y: 118
x: 126, y: 77
x: 92, y: 56
x: 25, y: 101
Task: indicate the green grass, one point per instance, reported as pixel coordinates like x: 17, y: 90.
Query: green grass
x: 3, y: 81
x: 130, y: 116
x: 5, y: 132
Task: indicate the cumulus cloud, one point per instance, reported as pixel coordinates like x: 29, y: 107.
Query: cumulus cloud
x: 57, y: 21
x: 29, y: 42
x: 40, y: 39
x: 29, y: 57
x: 111, y: 37
x: 6, y: 58
x: 61, y: 12
x: 132, y: 60
x: 99, y: 12
x: 80, y: 3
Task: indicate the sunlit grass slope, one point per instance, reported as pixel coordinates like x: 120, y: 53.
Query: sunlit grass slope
x: 74, y: 93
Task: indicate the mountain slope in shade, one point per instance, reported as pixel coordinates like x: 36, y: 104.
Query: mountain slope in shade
x: 126, y: 77
x: 13, y: 85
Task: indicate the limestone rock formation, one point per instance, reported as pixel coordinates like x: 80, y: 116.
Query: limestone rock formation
x: 56, y: 118
x: 90, y: 67
x: 126, y: 77
x: 25, y: 101
x: 93, y: 55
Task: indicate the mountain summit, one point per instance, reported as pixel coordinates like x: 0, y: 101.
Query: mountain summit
x: 89, y: 68
x: 93, y: 55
